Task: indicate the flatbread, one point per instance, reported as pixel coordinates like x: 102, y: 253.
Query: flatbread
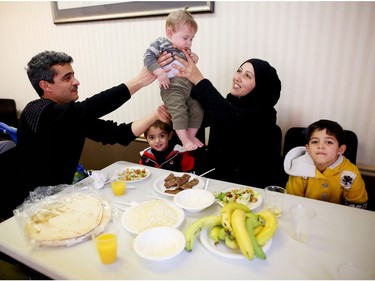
x: 106, y: 218
x: 67, y: 218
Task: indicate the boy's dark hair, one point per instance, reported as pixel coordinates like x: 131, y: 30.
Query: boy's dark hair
x: 332, y: 128
x: 40, y: 67
x: 166, y: 127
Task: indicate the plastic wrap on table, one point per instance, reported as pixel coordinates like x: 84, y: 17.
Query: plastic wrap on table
x: 63, y: 215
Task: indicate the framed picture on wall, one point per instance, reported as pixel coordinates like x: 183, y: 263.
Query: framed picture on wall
x: 80, y: 11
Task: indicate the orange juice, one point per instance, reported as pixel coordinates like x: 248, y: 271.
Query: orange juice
x: 118, y: 187
x: 107, y: 247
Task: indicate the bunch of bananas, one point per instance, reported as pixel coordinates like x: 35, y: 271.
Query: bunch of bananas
x: 238, y: 227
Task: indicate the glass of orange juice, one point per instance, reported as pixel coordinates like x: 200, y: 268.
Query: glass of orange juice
x: 106, y: 244
x: 118, y: 187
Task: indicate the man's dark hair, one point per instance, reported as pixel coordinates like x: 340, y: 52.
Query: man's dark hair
x: 40, y: 67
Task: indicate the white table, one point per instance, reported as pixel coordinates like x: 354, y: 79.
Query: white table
x: 339, y: 234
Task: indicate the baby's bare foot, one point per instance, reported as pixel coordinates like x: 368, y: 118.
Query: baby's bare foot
x: 197, y: 142
x: 189, y: 146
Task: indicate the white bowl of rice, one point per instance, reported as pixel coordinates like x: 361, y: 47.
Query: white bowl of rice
x: 152, y: 213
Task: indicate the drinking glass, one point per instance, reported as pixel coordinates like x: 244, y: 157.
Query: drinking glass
x: 106, y: 245
x: 274, y: 198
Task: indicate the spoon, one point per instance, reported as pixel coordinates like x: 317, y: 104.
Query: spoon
x: 205, y: 173
x: 157, y: 197
x: 206, y: 185
x: 131, y: 204
x: 127, y: 186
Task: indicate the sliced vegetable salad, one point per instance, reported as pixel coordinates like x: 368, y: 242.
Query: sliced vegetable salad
x: 243, y: 195
x: 131, y: 174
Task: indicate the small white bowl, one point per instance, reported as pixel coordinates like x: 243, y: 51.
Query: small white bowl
x: 194, y: 200
x: 159, y: 243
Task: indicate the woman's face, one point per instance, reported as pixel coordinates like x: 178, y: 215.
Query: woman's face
x: 243, y: 80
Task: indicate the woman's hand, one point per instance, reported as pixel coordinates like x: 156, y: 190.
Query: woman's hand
x: 190, y: 71
x: 194, y: 57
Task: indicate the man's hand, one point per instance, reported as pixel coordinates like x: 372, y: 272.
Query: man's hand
x: 143, y: 78
x: 165, y: 59
x: 163, y: 114
x: 162, y: 78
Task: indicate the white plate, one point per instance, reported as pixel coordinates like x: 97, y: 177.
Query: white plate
x: 118, y: 173
x: 160, y: 188
x: 252, y: 206
x: 221, y: 250
x: 152, y: 213
x: 159, y: 243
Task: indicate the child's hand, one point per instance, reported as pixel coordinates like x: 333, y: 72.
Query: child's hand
x: 162, y: 78
x: 194, y: 57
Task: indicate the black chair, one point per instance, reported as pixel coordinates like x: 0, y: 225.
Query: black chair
x: 8, y: 112
x: 296, y: 136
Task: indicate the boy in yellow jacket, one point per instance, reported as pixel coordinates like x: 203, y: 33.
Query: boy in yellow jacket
x: 320, y: 171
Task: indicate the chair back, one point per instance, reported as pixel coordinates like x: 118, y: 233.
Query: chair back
x: 296, y: 136
x: 8, y: 112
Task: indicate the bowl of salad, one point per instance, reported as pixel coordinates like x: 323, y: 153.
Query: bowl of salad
x: 243, y: 195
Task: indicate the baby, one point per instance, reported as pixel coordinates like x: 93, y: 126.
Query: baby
x: 187, y: 113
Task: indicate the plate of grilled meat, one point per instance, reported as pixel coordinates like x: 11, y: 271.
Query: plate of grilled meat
x: 175, y: 182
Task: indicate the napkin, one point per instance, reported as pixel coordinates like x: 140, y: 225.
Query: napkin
x: 99, y: 179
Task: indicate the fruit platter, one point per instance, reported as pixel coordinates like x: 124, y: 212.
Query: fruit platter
x: 238, y: 228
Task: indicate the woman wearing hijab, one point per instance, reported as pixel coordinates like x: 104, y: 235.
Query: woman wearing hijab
x: 244, y: 140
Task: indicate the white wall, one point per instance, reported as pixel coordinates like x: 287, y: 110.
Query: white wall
x: 324, y: 53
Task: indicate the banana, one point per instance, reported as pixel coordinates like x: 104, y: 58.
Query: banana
x: 259, y: 226
x: 270, y: 226
x: 258, y: 229
x: 215, y: 233
x: 226, y: 213
x: 230, y: 242
x: 197, y: 226
x: 251, y: 224
x: 222, y: 233
x: 241, y: 234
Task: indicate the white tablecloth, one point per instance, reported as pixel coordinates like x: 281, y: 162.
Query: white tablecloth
x: 339, y: 234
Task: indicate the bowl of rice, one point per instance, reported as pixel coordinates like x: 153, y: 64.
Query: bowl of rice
x: 152, y: 213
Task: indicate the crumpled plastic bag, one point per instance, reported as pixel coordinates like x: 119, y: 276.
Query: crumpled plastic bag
x: 40, y: 200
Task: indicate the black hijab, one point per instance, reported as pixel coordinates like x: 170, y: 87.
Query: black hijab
x: 267, y: 87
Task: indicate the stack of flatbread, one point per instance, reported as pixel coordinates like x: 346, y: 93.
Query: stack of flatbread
x: 68, y: 220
